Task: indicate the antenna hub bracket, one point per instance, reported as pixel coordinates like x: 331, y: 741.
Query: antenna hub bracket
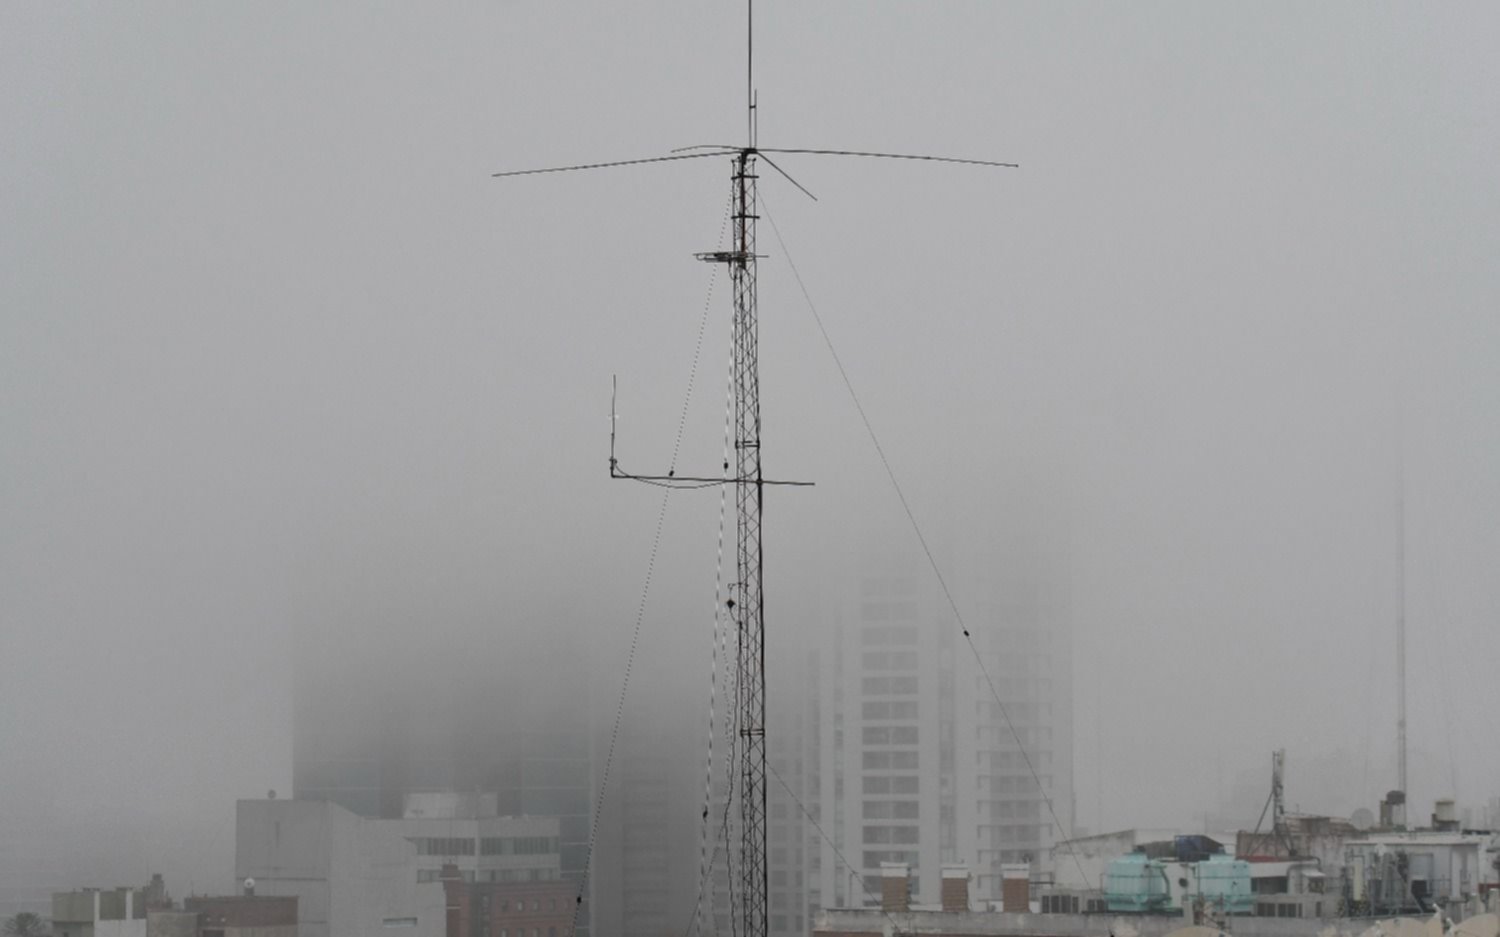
x: 725, y: 257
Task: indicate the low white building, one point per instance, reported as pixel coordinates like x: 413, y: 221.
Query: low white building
x: 119, y: 912
x: 356, y: 876
x: 1392, y: 871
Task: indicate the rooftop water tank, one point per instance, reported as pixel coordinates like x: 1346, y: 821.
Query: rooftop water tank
x: 1135, y: 883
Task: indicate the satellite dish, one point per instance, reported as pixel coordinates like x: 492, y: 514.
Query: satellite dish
x: 1362, y: 819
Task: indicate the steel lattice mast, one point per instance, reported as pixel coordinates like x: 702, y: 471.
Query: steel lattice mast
x: 746, y: 608
x: 749, y: 615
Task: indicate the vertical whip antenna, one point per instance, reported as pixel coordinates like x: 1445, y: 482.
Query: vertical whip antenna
x: 1401, y: 780
x: 750, y: 73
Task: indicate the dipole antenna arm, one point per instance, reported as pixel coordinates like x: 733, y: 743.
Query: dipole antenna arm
x: 788, y: 176
x: 913, y: 156
x: 724, y: 149
x: 605, y: 165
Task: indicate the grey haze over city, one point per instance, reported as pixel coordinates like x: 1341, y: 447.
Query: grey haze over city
x: 294, y: 394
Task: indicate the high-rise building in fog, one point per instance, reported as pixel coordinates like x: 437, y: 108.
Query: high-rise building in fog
x: 387, y: 724
x: 916, y: 762
x: 646, y: 860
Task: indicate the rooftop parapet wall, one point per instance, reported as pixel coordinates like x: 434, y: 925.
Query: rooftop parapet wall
x: 245, y: 910
x: 110, y: 905
x: 865, y: 922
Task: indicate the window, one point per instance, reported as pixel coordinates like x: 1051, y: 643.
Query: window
x: 900, y: 835
x: 514, y: 846
x: 897, y: 634
x: 893, y: 686
x: 444, y: 845
x: 889, y: 809
x: 878, y: 710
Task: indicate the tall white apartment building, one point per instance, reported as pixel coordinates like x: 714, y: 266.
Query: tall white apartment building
x: 916, y: 761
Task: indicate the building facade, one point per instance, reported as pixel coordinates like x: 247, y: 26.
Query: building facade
x: 247, y: 915
x: 92, y: 912
x: 355, y: 875
x: 507, y: 909
x: 932, y: 752
x: 393, y: 725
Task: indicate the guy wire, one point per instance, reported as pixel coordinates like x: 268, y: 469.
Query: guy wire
x: 921, y: 539
x: 719, y: 650
x: 708, y: 299
x: 640, y: 612
x: 895, y: 926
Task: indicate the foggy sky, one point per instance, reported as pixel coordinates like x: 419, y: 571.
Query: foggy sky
x: 277, y: 356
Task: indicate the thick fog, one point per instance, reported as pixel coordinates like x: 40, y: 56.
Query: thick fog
x: 289, y: 385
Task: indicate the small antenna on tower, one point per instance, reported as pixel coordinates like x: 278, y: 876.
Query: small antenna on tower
x: 750, y: 72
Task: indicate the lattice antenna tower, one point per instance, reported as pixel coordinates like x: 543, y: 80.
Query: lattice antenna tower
x: 747, y: 611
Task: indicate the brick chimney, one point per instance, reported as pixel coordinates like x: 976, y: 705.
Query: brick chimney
x: 955, y: 887
x: 1015, y: 888
x: 895, y: 887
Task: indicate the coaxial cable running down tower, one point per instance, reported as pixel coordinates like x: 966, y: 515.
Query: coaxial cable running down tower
x: 747, y: 613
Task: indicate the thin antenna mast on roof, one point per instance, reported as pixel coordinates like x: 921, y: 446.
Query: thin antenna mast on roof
x: 1401, y: 779
x: 746, y: 608
x: 750, y: 72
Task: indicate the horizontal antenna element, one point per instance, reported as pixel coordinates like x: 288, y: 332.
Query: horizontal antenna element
x: 620, y: 162
x: 714, y: 149
x: 930, y: 159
